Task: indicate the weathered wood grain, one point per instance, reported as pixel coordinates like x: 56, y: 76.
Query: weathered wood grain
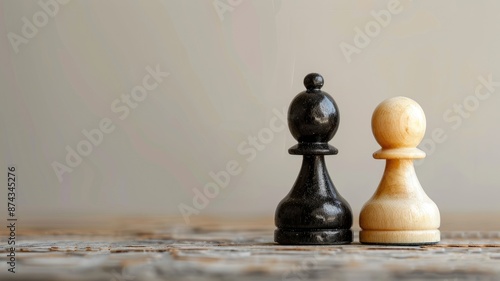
x: 216, y: 249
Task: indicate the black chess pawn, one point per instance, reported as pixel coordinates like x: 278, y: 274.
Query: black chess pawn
x: 313, y: 212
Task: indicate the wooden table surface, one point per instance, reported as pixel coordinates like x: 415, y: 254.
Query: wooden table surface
x: 162, y: 248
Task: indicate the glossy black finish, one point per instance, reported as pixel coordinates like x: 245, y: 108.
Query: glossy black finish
x: 313, y: 119
x: 313, y: 212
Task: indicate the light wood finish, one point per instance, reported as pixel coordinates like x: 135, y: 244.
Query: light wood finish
x: 399, y: 212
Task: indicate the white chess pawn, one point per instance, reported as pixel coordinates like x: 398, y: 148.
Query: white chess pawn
x: 399, y: 213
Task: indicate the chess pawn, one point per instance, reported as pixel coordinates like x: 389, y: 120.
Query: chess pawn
x: 313, y: 212
x: 399, y: 213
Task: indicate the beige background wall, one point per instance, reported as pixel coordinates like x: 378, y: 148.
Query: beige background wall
x: 225, y: 71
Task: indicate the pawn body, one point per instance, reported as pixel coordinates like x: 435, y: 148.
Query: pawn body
x: 400, y: 212
x: 313, y: 212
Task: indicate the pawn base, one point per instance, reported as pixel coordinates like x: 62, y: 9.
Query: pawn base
x: 312, y: 236
x: 409, y: 237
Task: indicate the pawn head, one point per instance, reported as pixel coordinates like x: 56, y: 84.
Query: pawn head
x: 313, y: 116
x: 313, y: 81
x: 398, y: 122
